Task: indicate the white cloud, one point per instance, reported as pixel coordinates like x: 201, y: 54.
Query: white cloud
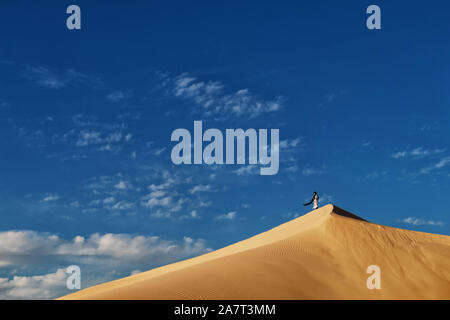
x: 291, y: 215
x: 247, y: 170
x: 159, y: 198
x: 330, y: 97
x: 121, y: 185
x: 309, y: 171
x: 50, y: 197
x: 117, y: 96
x: 204, y: 204
x: 34, y: 287
x: 420, y: 222
x: 104, y: 184
x: 227, y: 216
x: 291, y: 169
x: 158, y: 152
x: 109, y: 200
x: 173, y: 194
x: 75, y: 204
x: 154, y: 201
x: 211, y: 97
x: 429, y: 126
x: 32, y: 244
x: 200, y: 188
x: 89, y: 134
x: 51, y: 79
x: 128, y: 137
x: 123, y: 205
x: 290, y: 143
x: 376, y: 175
x: 442, y: 163
x: 419, y: 152
x: 438, y: 165
x: 372, y: 175
x: 25, y: 243
x: 90, y: 137
x: 169, y: 195
x: 192, y: 215
x: 97, y: 255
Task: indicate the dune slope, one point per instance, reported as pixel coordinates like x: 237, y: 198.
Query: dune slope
x: 321, y: 255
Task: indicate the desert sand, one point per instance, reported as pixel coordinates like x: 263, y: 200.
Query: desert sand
x: 321, y: 255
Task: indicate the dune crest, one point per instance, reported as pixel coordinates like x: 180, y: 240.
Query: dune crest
x: 321, y: 255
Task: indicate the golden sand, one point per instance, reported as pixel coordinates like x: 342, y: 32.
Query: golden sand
x: 321, y: 255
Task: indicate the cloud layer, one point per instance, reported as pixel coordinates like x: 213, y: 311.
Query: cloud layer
x: 214, y: 101
x: 113, y: 255
x: 421, y: 222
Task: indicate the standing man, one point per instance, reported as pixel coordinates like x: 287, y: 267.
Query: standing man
x: 315, y: 199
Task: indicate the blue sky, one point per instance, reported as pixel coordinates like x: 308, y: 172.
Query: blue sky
x: 86, y: 118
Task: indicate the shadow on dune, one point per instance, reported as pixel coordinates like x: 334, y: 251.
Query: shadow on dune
x: 347, y: 214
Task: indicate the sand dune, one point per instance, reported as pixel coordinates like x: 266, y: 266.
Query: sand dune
x: 321, y: 255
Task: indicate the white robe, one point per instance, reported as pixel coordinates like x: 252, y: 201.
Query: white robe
x: 316, y: 202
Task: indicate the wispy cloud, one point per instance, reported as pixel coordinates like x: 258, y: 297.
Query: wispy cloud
x: 168, y: 196
x: 436, y: 166
x: 227, y: 216
x: 89, y: 137
x: 164, y: 198
x: 121, y: 185
x: 123, y: 205
x: 331, y: 97
x: 310, y: 171
x: 201, y: 188
x: 214, y: 100
x: 48, y: 78
x: 117, y: 96
x: 158, y: 152
x: 248, y: 170
x: 192, y: 215
x: 291, y: 215
x: 291, y: 143
x: 419, y: 152
x: 376, y: 175
x: 429, y: 126
x: 50, y: 197
x: 290, y: 149
x: 421, y: 222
